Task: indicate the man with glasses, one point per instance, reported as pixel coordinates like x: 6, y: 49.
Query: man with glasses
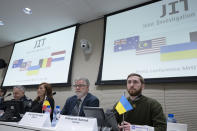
x: 74, y: 104
x: 147, y: 111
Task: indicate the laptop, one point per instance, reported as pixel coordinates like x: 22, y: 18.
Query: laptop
x: 103, y: 119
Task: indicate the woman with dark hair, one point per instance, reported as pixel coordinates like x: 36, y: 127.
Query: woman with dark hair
x: 44, y: 92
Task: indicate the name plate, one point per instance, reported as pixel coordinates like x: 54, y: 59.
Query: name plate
x: 141, y: 128
x: 176, y: 127
x: 36, y: 120
x: 73, y: 123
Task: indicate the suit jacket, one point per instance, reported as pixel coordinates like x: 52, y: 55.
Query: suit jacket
x: 27, y: 103
x: 89, y: 100
x: 2, y: 106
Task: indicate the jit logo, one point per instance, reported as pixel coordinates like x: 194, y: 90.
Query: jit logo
x: 39, y: 43
x: 174, y: 10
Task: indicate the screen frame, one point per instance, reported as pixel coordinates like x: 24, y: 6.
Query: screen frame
x: 98, y: 114
x: 70, y: 64
x: 147, y: 81
x: 18, y: 105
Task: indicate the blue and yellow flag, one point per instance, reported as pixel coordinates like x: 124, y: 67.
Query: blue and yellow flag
x: 178, y: 51
x: 123, y: 105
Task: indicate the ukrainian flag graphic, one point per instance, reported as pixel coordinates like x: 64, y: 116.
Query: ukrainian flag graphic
x: 123, y: 105
x: 33, y: 70
x: 178, y: 51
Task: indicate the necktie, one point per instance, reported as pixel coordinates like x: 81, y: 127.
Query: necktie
x: 76, y: 108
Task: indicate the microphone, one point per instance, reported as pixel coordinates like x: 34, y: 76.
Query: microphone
x: 54, y: 93
x: 8, y: 95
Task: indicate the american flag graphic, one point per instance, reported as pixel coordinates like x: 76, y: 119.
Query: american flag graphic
x: 150, y: 46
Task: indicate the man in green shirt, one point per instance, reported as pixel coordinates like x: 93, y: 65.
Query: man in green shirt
x: 147, y: 111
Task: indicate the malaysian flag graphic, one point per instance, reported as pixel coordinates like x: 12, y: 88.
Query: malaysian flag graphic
x: 150, y: 46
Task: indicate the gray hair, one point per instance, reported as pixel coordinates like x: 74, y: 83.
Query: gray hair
x: 22, y: 88
x: 83, y: 79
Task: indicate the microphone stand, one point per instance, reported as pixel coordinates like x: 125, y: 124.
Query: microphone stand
x: 123, y: 118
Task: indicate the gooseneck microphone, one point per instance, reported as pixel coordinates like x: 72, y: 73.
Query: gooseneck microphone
x: 8, y: 95
x: 54, y: 93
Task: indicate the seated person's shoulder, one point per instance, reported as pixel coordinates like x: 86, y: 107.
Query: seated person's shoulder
x: 35, y: 102
x: 50, y: 99
x: 93, y: 100
x: 25, y: 98
x: 92, y: 97
x: 29, y: 99
x: 151, y: 101
x: 71, y: 99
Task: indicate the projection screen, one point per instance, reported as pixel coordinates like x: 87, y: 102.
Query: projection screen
x: 46, y: 58
x: 157, y: 40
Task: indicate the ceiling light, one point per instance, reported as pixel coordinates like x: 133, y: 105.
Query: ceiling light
x: 1, y: 23
x: 27, y: 11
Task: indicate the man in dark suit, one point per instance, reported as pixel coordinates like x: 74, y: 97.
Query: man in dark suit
x: 19, y: 94
x: 74, y: 104
x: 2, y: 94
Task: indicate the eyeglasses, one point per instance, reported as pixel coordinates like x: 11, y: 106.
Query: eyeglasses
x: 79, y: 86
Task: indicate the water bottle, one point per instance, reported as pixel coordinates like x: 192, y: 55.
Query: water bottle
x: 47, y: 110
x: 56, y: 116
x: 57, y: 113
x: 171, y: 118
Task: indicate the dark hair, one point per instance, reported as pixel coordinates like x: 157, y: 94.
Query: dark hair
x: 4, y: 90
x: 48, y: 89
x: 134, y: 74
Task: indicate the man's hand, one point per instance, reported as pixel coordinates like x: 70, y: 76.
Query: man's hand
x: 125, y: 126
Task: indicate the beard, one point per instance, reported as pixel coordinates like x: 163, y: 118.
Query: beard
x: 80, y: 94
x: 135, y: 92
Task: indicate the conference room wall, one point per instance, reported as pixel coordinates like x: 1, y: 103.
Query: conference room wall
x: 177, y: 98
x: 5, y: 53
